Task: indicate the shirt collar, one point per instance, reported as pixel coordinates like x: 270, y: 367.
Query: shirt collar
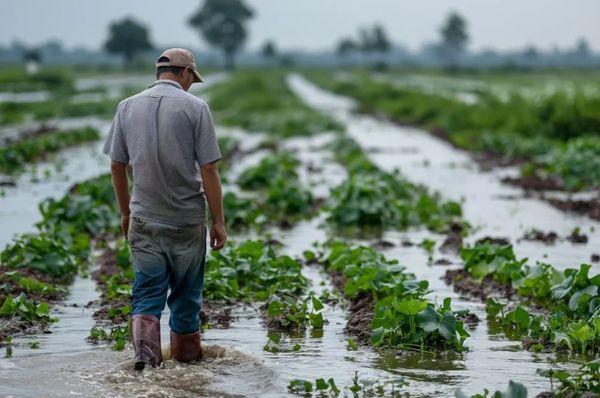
x: 166, y: 81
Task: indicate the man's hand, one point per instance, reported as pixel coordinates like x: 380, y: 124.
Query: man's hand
x: 218, y: 236
x: 120, y: 183
x: 212, y: 189
x: 125, y: 226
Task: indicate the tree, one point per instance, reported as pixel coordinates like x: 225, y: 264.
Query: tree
x: 346, y: 46
x: 268, y: 50
x: 32, y: 55
x: 582, y: 48
x: 127, y: 37
x: 373, y: 40
x: 454, y: 38
x: 380, y: 42
x: 222, y: 23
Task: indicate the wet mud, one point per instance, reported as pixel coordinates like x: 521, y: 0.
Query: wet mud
x: 536, y: 183
x: 548, y: 238
x: 589, y: 207
x: 463, y: 283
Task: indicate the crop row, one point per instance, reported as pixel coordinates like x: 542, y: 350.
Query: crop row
x: 557, y: 134
x: 261, y: 102
x: 278, y: 194
x: 371, y: 197
x: 40, y: 266
x: 566, y: 305
x: 16, y: 112
x: 15, y: 155
x: 18, y: 80
x: 401, y: 315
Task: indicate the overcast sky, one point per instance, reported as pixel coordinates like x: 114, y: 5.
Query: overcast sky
x: 312, y: 24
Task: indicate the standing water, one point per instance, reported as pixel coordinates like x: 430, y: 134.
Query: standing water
x: 237, y: 365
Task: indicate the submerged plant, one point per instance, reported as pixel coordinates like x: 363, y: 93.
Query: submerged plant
x: 582, y: 382
x: 515, y: 390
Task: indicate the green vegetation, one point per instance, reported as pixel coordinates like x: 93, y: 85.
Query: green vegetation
x: 59, y: 250
x: 127, y: 37
x: 373, y: 197
x: 251, y: 271
x: 576, y: 162
x: 118, y: 336
x: 242, y: 212
x: 263, y: 102
x: 276, y: 166
x: 290, y: 313
x: 515, y: 129
x: 223, y: 25
x: 404, y: 318
x: 359, y: 388
x: 515, y: 390
x: 29, y: 285
x: 44, y: 252
x: 281, y: 197
x: 15, y: 155
x: 15, y: 112
x: 571, y: 298
x: 582, y: 382
x: 25, y: 309
x: 17, y: 80
x: 302, y: 387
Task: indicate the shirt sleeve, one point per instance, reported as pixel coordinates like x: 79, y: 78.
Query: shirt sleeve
x: 207, y: 147
x: 116, y: 146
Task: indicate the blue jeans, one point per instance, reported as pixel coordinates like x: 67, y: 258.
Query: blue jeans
x: 168, y: 257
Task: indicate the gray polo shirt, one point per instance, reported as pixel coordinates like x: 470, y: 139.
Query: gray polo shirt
x: 165, y: 134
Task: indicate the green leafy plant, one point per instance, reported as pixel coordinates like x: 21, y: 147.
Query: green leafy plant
x: 584, y: 380
x: 251, y: 270
x: 515, y: 390
x: 43, y: 252
x: 117, y: 336
x: 288, y: 312
x: 26, y: 310
x: 571, y: 297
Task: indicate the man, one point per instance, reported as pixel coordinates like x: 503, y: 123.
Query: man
x: 166, y: 135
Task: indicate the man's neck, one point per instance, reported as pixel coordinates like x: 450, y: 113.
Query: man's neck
x: 170, y: 76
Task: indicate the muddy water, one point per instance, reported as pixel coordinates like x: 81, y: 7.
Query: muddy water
x: 236, y: 364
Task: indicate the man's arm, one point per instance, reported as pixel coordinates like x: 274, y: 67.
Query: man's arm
x: 214, y: 197
x: 120, y: 183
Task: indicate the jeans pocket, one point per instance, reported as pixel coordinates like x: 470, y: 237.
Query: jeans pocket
x: 136, y: 227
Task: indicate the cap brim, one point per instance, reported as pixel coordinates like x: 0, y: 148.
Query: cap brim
x: 198, y: 77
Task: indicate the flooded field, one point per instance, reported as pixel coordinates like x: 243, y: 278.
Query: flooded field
x: 62, y: 362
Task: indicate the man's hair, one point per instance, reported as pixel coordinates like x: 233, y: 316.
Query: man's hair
x: 176, y: 70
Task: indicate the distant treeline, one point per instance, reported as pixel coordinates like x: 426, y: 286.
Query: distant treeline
x: 53, y: 53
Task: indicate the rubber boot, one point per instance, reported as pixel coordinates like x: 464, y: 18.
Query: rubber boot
x: 186, y: 347
x: 145, y: 333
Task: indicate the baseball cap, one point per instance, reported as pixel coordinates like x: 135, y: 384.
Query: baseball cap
x: 181, y: 58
